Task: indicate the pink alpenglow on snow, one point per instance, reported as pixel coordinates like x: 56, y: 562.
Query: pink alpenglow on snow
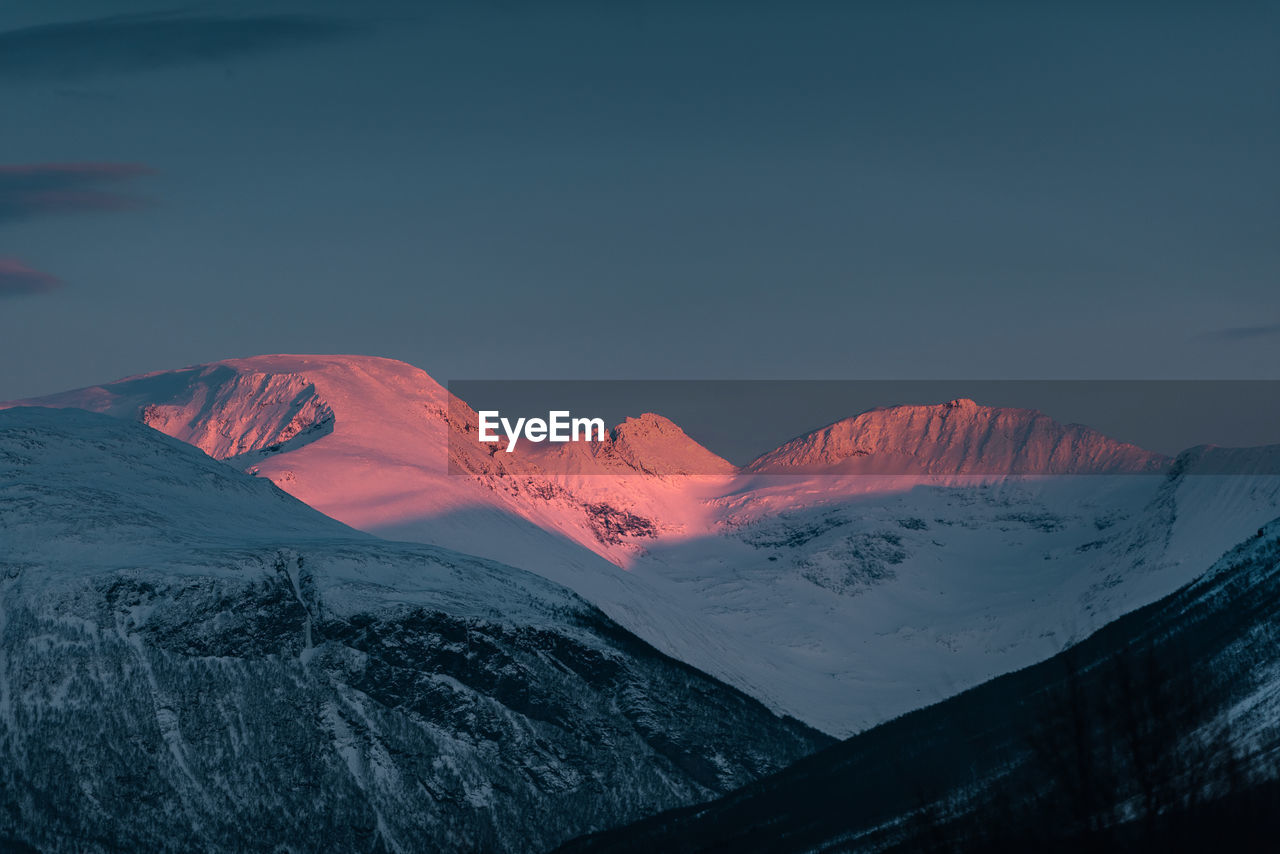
x: 896, y: 562
x: 959, y: 437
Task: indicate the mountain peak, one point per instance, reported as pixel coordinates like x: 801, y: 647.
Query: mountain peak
x: 243, y: 409
x: 656, y: 444
x: 648, y: 423
x: 646, y: 444
x: 957, y: 437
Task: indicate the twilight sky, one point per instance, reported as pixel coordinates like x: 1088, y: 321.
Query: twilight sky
x: 642, y: 190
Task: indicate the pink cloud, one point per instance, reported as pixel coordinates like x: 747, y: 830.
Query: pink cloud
x: 17, y: 279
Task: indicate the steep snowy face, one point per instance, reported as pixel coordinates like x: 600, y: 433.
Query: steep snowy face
x: 206, y: 658
x: 224, y: 411
x: 654, y: 444
x: 956, y: 438
x: 84, y: 484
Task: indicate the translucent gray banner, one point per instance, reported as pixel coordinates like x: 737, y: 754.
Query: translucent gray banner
x: 865, y: 427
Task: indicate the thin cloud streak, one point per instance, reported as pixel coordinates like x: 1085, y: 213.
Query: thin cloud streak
x: 1243, y: 333
x: 29, y: 190
x: 17, y: 279
x: 137, y: 43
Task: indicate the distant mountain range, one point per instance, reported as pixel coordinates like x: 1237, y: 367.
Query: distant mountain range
x: 909, y: 552
x: 188, y: 650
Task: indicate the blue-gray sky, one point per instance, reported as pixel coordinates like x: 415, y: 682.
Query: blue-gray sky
x: 646, y: 190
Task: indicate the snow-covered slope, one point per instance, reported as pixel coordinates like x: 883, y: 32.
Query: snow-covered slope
x: 191, y: 659
x: 1123, y: 743
x: 840, y: 598
x: 382, y: 446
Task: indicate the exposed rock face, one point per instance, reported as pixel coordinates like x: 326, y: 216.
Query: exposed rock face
x: 237, y: 415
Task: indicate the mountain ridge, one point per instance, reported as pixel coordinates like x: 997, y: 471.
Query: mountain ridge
x: 839, y: 599
x: 954, y: 438
x: 962, y: 431
x: 207, y: 658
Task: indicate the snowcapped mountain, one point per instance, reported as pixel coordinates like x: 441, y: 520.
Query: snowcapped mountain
x: 959, y: 437
x: 188, y: 655
x: 837, y: 597
x: 1161, y: 732
x: 377, y: 444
